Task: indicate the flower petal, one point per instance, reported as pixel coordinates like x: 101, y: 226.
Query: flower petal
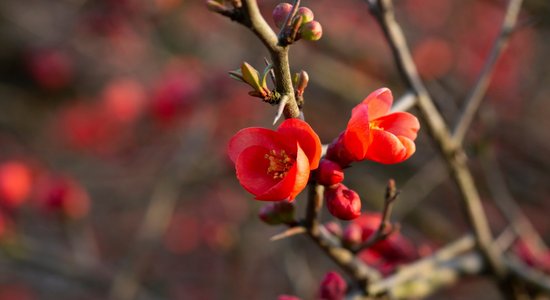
x: 400, y: 124
x: 296, y: 130
x: 252, y: 136
x: 409, y: 146
x: 379, y: 102
x: 252, y: 167
x: 356, y: 137
x: 293, y: 183
x: 385, y: 148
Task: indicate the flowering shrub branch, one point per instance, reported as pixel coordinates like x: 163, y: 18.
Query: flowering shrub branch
x: 371, y: 246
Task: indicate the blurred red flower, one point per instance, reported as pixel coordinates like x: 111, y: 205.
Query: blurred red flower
x: 15, y: 183
x: 52, y: 69
x: 62, y: 195
x: 375, y: 134
x: 386, y: 254
x: 275, y: 165
x: 333, y: 287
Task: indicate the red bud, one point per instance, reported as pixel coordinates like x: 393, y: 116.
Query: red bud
x: 306, y: 13
x: 333, y: 287
x: 342, y: 202
x: 311, y: 31
x: 330, y: 173
x: 280, y: 13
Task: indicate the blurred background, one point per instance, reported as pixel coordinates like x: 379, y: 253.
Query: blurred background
x: 115, y: 114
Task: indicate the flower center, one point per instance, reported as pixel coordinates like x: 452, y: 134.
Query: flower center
x: 373, y: 125
x: 279, y: 163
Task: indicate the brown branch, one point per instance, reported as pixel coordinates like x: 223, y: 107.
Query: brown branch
x: 427, y: 267
x: 506, y: 203
x: 478, y: 92
x: 250, y: 16
x: 381, y: 233
x: 382, y: 10
x: 405, y: 102
x: 356, y: 268
x: 528, y: 275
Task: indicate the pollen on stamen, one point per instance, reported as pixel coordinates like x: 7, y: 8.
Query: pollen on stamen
x: 375, y: 126
x: 279, y: 163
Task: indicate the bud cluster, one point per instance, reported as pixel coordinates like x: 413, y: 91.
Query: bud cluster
x: 296, y: 23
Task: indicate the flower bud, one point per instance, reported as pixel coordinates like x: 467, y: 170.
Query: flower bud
x: 300, y: 81
x: 334, y: 228
x: 330, y: 173
x: 311, y: 31
x: 277, y: 213
x: 306, y: 13
x: 280, y: 14
x: 343, y: 203
x: 333, y: 287
x: 352, y: 235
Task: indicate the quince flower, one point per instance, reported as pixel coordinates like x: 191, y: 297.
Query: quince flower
x: 275, y: 165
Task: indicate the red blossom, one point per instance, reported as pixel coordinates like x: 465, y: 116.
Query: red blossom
x: 275, y: 165
x: 375, y: 134
x: 333, y: 287
x: 62, y: 195
x: 342, y: 202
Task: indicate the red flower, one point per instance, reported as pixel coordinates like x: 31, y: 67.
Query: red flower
x: 372, y: 133
x: 275, y: 165
x: 342, y: 202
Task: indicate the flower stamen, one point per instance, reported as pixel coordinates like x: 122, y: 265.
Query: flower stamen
x: 373, y: 125
x: 279, y: 163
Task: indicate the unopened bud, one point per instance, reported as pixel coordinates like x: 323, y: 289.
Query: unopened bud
x: 311, y: 31
x: 342, y: 202
x: 334, y: 228
x: 329, y: 173
x: 306, y: 13
x: 277, y: 213
x: 333, y: 287
x: 352, y: 235
x: 302, y: 79
x: 280, y: 14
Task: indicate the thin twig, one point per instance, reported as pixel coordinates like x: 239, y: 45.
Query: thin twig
x: 292, y: 231
x: 251, y: 17
x: 381, y: 233
x: 478, y: 92
x: 455, y: 156
x: 425, y: 266
x: 528, y: 275
x: 405, y: 102
x: 362, y: 273
x: 506, y: 203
